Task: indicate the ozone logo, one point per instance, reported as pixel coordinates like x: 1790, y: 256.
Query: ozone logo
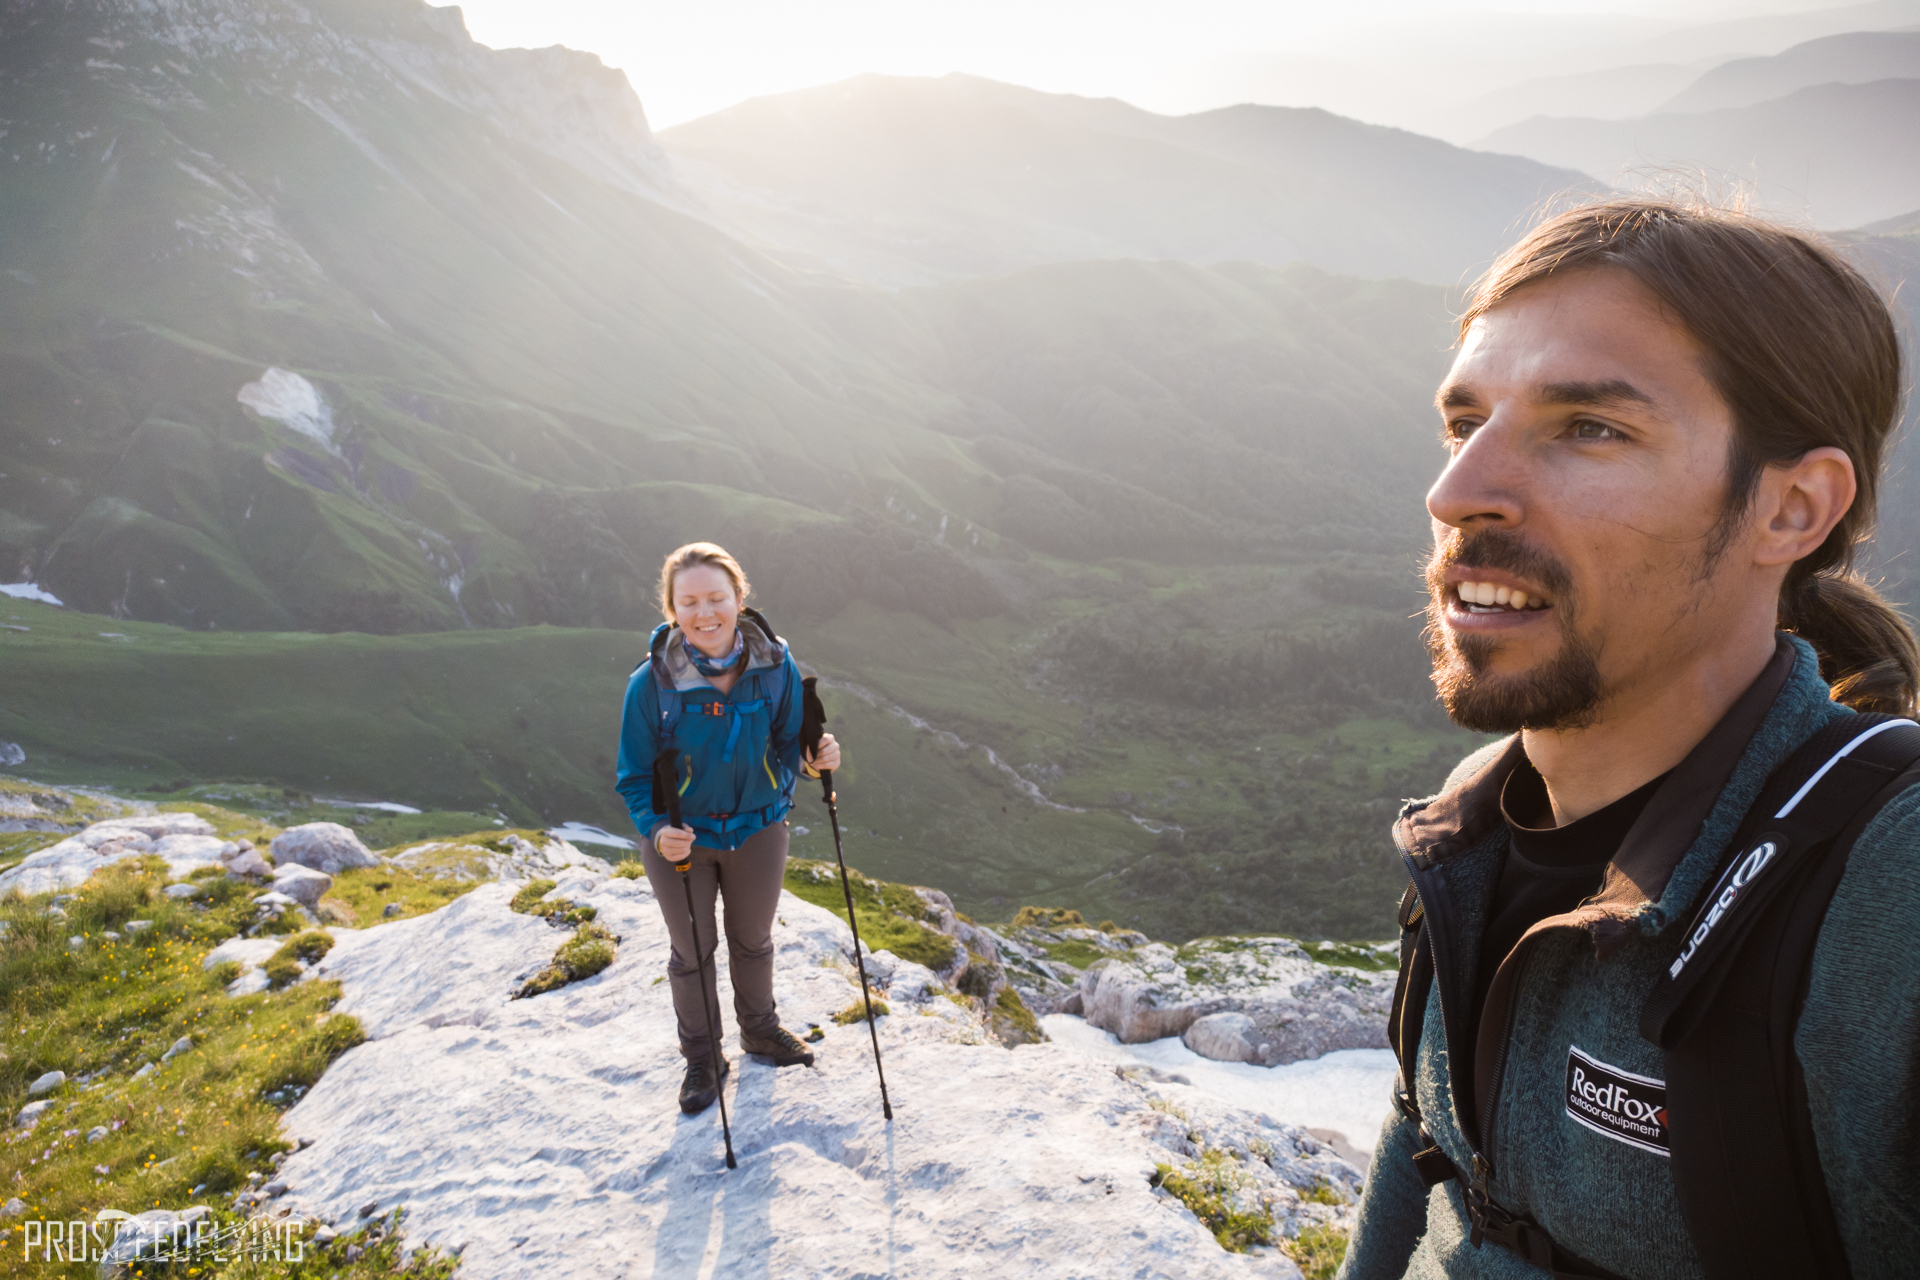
x: 1726, y: 893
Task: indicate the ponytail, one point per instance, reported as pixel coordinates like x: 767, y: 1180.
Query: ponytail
x: 1867, y: 650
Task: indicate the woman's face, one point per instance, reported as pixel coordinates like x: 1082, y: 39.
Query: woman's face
x: 705, y: 608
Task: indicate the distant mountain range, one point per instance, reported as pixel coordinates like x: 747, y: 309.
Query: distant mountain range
x: 1828, y: 130
x: 908, y: 181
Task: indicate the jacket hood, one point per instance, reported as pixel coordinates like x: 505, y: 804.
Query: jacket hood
x: 670, y: 660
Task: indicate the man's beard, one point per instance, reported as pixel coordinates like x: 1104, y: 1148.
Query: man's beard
x: 1564, y: 692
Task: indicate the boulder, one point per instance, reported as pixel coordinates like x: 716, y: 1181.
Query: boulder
x: 249, y: 864
x: 47, y: 1083
x: 183, y: 1045
x: 302, y: 883
x: 30, y: 1114
x: 323, y: 846
x: 1224, y: 1037
x: 186, y: 889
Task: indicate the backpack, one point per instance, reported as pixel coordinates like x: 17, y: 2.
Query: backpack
x: 1745, y: 1168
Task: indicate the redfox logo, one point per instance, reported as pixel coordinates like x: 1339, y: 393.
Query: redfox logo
x: 1618, y: 1104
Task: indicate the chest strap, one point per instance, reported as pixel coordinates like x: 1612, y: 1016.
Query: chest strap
x: 737, y: 710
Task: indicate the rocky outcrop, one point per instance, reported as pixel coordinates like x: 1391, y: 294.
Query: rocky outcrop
x: 996, y: 1161
x: 185, y: 840
x: 1265, y: 1000
x: 1261, y: 1000
x: 323, y: 846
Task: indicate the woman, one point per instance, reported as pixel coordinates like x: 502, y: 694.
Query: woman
x: 721, y: 688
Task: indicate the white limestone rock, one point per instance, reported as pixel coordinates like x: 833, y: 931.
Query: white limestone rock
x: 301, y: 883
x: 1224, y: 1037
x: 185, y: 840
x: 186, y: 853
x: 1026, y: 1163
x: 1296, y: 1007
x: 47, y: 1083
x: 247, y: 863
x: 507, y: 857
x: 30, y: 1114
x: 323, y: 846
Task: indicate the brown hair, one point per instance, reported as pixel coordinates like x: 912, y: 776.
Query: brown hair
x: 700, y: 553
x: 1804, y: 351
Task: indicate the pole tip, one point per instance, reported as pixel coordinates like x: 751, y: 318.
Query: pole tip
x: 730, y: 1161
x: 888, y: 1108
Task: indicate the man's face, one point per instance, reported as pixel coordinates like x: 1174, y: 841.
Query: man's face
x: 1587, y: 473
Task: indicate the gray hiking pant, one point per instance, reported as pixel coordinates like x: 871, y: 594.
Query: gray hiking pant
x: 748, y: 880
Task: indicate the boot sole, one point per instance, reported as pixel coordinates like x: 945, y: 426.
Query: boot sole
x: 779, y: 1061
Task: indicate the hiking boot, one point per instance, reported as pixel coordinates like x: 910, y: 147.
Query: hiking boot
x: 781, y: 1045
x: 697, y: 1089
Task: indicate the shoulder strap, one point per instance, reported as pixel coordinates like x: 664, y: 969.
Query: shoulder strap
x: 1406, y: 1023
x: 1746, y: 1170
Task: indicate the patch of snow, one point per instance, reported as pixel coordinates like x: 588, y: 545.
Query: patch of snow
x: 1349, y: 1091
x: 291, y: 400
x: 27, y: 591
x: 386, y: 806
x: 581, y: 833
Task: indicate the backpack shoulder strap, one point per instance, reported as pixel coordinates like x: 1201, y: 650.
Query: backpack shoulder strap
x: 1406, y: 1023
x: 1746, y: 1170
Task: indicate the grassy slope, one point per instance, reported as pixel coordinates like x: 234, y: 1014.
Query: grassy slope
x: 524, y: 721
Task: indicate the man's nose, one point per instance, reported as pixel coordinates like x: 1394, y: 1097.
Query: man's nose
x: 1483, y: 483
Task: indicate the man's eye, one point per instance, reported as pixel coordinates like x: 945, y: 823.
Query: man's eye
x: 1458, y: 430
x: 1587, y: 429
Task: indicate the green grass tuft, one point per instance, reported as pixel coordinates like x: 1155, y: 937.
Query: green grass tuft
x: 890, y: 915
x: 857, y: 1012
x: 1048, y: 918
x: 1318, y: 1251
x: 1210, y: 1186
x: 590, y: 950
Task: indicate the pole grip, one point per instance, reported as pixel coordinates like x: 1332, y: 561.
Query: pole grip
x: 826, y: 785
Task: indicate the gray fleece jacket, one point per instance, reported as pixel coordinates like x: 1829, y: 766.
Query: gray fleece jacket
x: 1584, y: 982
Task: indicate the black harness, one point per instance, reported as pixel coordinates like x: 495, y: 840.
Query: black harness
x: 1745, y: 1167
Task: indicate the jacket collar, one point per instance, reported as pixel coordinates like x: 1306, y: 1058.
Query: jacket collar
x: 670, y: 660
x: 1461, y: 818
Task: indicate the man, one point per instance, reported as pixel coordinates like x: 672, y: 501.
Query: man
x: 1665, y: 427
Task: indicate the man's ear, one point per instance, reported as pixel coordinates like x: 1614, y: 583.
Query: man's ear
x: 1799, y: 502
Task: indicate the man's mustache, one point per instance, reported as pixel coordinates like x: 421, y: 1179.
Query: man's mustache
x: 1498, y: 549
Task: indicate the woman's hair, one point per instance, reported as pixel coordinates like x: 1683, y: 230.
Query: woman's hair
x: 692, y: 555
x: 1804, y: 351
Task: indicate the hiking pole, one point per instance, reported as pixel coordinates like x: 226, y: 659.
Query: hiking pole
x: 812, y: 725
x: 666, y: 794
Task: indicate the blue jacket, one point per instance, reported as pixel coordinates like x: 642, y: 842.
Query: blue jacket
x: 739, y: 751
x: 1584, y: 980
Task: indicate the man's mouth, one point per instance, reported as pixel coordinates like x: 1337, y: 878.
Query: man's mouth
x: 1488, y: 597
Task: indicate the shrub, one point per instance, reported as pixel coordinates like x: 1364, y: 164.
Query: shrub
x: 630, y: 869
x: 1048, y: 918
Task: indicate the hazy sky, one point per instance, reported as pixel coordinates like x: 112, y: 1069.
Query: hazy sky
x: 1376, y: 59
